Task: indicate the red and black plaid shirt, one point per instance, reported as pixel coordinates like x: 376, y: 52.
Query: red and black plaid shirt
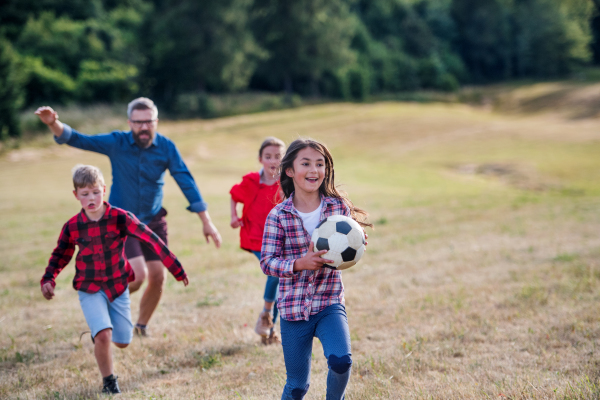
x: 101, y: 262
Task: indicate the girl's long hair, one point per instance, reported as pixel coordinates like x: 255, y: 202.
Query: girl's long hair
x: 328, y: 187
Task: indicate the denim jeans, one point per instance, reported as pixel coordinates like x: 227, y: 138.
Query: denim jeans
x: 270, y: 289
x: 331, y: 327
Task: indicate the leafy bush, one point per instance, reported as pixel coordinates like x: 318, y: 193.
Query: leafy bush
x: 190, y: 105
x: 106, y: 81
x: 45, y: 84
x: 10, y: 91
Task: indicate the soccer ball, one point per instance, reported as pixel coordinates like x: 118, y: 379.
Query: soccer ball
x: 343, y: 237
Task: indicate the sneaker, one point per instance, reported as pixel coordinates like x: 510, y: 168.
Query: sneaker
x: 141, y: 331
x: 110, y: 385
x: 264, y: 324
x: 273, y: 338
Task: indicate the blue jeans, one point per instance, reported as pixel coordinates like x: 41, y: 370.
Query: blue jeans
x: 270, y: 289
x: 331, y: 327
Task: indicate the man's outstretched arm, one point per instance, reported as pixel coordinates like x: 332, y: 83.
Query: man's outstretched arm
x: 50, y: 117
x: 63, y: 133
x: 180, y: 172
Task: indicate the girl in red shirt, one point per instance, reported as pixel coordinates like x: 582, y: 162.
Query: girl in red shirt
x: 259, y: 192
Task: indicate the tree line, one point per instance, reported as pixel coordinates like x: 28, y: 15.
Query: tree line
x: 178, y: 50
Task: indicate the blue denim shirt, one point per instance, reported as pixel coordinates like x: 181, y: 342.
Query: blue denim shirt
x: 138, y: 174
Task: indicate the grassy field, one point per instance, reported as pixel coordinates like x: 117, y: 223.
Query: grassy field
x: 482, y: 278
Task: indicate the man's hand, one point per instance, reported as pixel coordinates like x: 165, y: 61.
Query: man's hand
x: 312, y: 261
x: 209, y: 230
x: 235, y: 222
x: 185, y: 281
x: 48, y: 291
x: 49, y: 117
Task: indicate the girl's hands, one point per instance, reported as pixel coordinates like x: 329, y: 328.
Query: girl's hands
x: 185, y: 281
x: 312, y: 261
x: 48, y: 291
x: 235, y: 222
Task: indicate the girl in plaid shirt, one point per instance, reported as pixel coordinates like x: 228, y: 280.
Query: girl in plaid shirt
x: 310, y: 298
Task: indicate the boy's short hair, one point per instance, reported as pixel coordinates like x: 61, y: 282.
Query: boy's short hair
x: 87, y: 175
x: 270, y: 141
x: 142, y: 103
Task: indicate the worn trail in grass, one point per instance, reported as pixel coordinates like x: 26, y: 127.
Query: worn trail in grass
x: 481, y: 279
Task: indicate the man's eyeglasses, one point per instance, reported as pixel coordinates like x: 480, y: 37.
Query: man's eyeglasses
x: 141, y: 123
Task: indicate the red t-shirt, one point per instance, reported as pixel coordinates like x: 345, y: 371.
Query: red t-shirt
x: 258, y: 200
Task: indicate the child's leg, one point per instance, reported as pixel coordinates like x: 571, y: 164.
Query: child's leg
x: 270, y: 295
x: 266, y: 320
x: 333, y: 332
x: 297, y: 339
x: 95, y: 309
x: 103, y: 352
x: 120, y: 317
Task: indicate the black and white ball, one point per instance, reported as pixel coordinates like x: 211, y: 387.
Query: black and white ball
x: 343, y: 237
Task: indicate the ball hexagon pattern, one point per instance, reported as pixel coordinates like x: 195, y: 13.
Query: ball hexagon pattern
x: 343, y: 238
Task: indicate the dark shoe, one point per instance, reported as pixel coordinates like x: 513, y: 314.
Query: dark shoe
x: 141, y: 331
x: 110, y: 385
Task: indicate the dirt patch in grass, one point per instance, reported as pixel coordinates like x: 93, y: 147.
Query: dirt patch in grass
x: 519, y: 176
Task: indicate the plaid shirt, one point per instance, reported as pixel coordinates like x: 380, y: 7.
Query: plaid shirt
x: 100, y: 262
x: 303, y: 293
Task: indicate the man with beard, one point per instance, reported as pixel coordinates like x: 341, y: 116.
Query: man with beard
x: 139, y: 159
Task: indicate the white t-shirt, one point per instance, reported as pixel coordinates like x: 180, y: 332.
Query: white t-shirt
x: 311, y: 219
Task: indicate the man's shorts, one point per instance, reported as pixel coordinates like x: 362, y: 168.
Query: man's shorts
x: 133, y: 247
x: 101, y: 314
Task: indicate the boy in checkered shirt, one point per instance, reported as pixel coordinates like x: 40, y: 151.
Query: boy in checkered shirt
x: 102, y: 272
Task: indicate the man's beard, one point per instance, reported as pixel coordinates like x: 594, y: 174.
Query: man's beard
x: 142, y: 142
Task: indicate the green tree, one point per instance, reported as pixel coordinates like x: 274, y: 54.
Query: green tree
x: 304, y: 38
x: 198, y: 46
x: 88, y: 60
x: 10, y: 91
x: 408, y: 44
x: 14, y: 14
x: 484, y: 37
x: 551, y: 36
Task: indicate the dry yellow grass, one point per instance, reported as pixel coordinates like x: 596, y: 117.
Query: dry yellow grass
x: 482, y: 278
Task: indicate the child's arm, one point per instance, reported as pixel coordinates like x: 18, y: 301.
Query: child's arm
x: 235, y: 221
x: 60, y: 257
x: 273, y: 241
x: 272, y: 249
x: 141, y: 232
x: 243, y: 192
x: 312, y: 261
